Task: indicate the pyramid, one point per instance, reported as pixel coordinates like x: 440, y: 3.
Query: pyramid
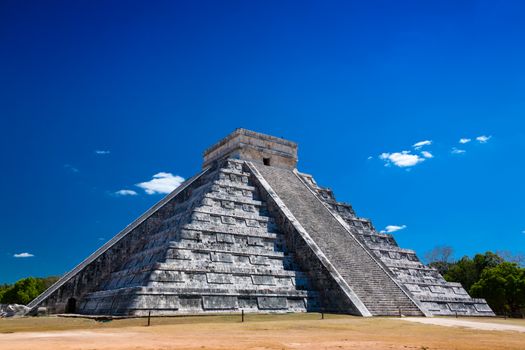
x: 250, y: 232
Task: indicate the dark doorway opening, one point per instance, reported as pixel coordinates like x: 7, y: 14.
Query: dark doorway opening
x: 266, y: 161
x: 71, y: 306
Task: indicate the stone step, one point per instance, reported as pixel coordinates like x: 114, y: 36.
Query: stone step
x: 233, y: 213
x: 228, y: 230
x: 238, y: 200
x: 366, y: 277
x: 225, y: 249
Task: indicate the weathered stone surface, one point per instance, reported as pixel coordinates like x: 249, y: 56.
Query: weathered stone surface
x: 250, y: 232
x: 219, y: 302
x: 425, y: 284
x: 13, y: 310
x: 248, y: 145
x: 272, y: 303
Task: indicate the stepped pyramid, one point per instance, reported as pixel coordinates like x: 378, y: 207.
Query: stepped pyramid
x: 251, y: 232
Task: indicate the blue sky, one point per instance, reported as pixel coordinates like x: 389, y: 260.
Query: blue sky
x: 150, y: 85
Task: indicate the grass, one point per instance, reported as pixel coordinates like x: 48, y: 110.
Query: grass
x: 55, y: 323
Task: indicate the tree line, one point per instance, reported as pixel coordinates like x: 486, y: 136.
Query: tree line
x: 498, y: 277
x: 25, y: 290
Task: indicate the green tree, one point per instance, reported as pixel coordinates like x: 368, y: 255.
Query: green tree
x: 25, y: 290
x: 3, y: 289
x: 468, y: 271
x: 463, y: 271
x: 22, y: 291
x: 487, y: 260
x: 503, y: 286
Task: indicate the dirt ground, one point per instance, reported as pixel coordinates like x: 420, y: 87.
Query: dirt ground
x: 294, y: 331
x: 453, y: 322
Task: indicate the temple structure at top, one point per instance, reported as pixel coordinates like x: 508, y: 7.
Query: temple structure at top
x: 251, y: 232
x: 252, y: 146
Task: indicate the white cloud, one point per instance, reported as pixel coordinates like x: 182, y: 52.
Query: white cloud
x: 102, y: 152
x: 369, y: 157
x: 23, y: 255
x: 483, y: 138
x: 457, y: 151
x: 126, y: 193
x: 420, y: 144
x: 393, y: 228
x: 427, y: 154
x: 71, y: 168
x: 161, y: 183
x: 464, y: 140
x: 401, y: 159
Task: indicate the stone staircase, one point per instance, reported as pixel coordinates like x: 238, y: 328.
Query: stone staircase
x: 424, y: 283
x: 359, y: 268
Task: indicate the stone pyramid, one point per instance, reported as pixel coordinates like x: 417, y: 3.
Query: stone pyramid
x: 251, y: 232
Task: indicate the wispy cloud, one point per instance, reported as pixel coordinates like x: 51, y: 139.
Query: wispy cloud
x: 161, y: 183
x: 401, y: 159
x: 102, y: 152
x: 393, y: 228
x: 420, y: 144
x: 71, y: 168
x: 427, y: 154
x: 126, y: 193
x: 464, y: 140
x: 457, y: 151
x: 23, y: 255
x: 483, y: 138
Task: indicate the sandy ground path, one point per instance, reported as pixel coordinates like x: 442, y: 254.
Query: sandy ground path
x: 452, y: 322
x: 298, y: 334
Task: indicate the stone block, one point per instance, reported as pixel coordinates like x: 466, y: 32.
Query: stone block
x: 179, y: 254
x: 249, y: 208
x: 219, y: 278
x: 221, y: 257
x: 258, y: 260
x: 252, y: 223
x: 213, y: 302
x: 457, y: 306
x: 482, y: 308
x: 255, y: 241
x: 228, y: 220
x: 188, y: 234
x: 200, y: 216
x: 224, y: 238
x: 228, y: 204
x: 167, y: 276
x: 263, y: 280
x: 272, y: 303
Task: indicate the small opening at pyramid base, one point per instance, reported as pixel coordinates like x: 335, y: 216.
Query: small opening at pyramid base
x: 71, y: 306
x: 266, y: 161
